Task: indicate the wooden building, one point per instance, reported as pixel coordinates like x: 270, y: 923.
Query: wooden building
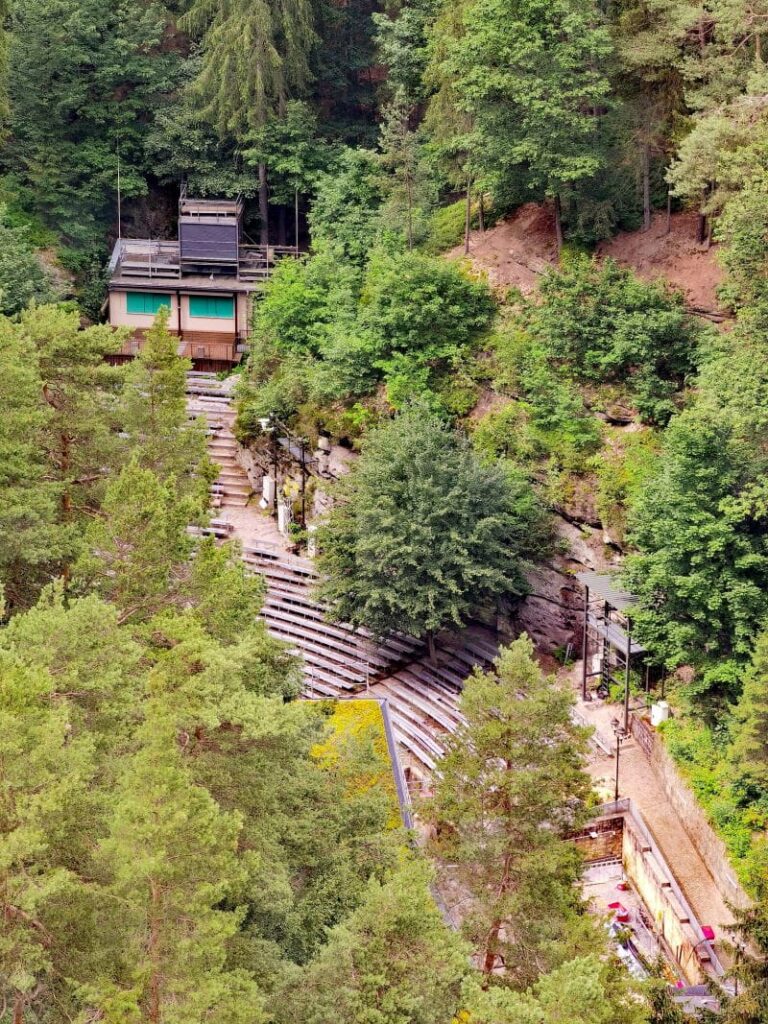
x: 207, y: 278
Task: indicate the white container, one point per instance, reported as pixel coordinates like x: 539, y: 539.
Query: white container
x: 283, y: 518
x: 268, y: 491
x: 660, y: 712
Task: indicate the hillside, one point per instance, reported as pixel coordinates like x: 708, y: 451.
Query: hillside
x: 516, y: 251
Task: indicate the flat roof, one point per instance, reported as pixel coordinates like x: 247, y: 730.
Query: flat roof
x: 187, y: 283
x: 604, y: 585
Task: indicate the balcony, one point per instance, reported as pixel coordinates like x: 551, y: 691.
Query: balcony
x: 144, y: 259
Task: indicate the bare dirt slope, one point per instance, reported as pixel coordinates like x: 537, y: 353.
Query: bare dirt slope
x: 674, y: 256
x: 515, y: 252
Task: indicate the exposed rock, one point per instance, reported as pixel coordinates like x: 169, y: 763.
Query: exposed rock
x: 551, y: 613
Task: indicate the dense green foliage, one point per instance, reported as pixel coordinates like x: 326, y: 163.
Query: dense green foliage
x: 326, y: 335
x: 133, y: 664
x: 422, y: 533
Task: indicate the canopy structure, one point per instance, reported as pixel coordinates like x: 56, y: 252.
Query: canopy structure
x: 607, y: 629
x: 604, y: 585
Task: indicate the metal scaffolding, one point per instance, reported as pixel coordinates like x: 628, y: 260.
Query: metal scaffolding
x: 607, y: 628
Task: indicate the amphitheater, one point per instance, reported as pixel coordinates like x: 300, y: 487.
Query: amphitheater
x: 422, y: 695
x: 339, y: 661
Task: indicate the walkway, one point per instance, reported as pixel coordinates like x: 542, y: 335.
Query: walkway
x: 343, y: 662
x: 638, y: 780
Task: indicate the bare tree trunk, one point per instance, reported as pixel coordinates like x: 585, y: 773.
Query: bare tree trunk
x: 701, y: 227
x: 646, y: 163
x: 669, y: 210
x: 468, y: 218
x: 18, y: 1009
x: 481, y: 213
x: 409, y: 193
x: 153, y: 1000
x: 558, y: 224
x: 263, y: 206
x: 431, y: 647
x: 296, y: 220
x: 489, y: 952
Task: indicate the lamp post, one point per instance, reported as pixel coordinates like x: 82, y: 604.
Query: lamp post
x: 271, y: 425
x: 621, y: 734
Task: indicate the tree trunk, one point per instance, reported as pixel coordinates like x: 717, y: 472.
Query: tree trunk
x: 558, y: 224
x: 489, y: 953
x: 296, y: 221
x: 66, y: 495
x: 18, y: 1009
x: 669, y: 210
x: 263, y: 206
x: 646, y: 162
x: 409, y: 194
x: 431, y: 647
x: 481, y: 213
x: 701, y: 227
x: 282, y: 226
x: 153, y: 999
x: 468, y: 219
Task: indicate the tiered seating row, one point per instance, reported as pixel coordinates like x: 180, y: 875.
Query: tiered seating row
x: 342, y: 662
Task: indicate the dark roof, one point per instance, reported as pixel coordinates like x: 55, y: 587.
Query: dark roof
x: 604, y: 585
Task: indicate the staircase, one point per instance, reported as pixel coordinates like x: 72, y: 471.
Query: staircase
x: 210, y: 397
x: 340, y: 661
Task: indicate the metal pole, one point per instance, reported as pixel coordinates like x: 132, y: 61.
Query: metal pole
x: 626, y: 679
x: 616, y: 786
x: 119, y: 198
x: 303, y: 486
x: 584, y: 646
x: 296, y: 221
x: 274, y: 462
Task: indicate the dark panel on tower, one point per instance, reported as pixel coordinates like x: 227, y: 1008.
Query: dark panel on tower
x: 210, y: 242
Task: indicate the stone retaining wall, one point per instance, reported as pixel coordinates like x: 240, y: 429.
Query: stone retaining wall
x: 670, y: 916
x: 709, y: 845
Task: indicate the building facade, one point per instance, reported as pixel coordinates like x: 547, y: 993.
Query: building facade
x: 207, y: 278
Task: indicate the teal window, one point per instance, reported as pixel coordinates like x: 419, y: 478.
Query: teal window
x: 213, y: 306
x: 147, y: 303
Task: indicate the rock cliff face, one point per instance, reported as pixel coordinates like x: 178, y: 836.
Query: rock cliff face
x: 551, y: 613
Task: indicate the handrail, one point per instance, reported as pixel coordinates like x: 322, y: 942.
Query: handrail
x: 626, y: 806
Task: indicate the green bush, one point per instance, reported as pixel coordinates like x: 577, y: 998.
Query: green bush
x: 446, y: 226
x: 603, y: 324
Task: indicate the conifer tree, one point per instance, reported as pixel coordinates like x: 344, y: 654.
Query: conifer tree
x: 530, y: 77
x: 422, y: 531
x: 32, y: 542
x: 511, y: 786
x: 154, y: 414
x: 79, y: 389
x: 750, y: 727
x: 172, y: 855
x: 44, y: 774
x: 255, y: 56
x: 138, y: 544
x: 393, y: 960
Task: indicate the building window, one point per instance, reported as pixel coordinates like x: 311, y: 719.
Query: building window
x: 147, y: 303
x: 212, y: 306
